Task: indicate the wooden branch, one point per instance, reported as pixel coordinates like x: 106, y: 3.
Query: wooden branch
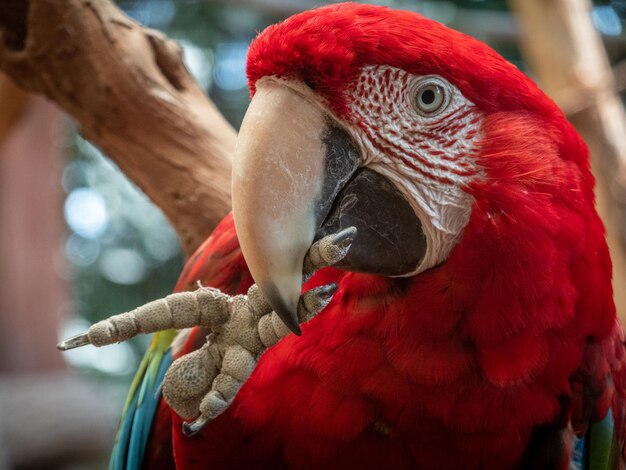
x: 562, y: 46
x: 131, y: 95
x: 12, y: 102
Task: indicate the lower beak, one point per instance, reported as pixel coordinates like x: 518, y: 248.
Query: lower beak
x: 297, y: 177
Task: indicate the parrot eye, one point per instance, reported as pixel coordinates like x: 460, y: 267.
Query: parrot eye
x: 430, y: 96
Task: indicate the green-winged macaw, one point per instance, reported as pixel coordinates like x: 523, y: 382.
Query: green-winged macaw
x: 472, y: 324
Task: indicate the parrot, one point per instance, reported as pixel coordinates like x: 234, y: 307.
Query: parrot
x: 469, y: 322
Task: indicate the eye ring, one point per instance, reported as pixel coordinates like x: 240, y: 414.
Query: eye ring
x: 430, y: 96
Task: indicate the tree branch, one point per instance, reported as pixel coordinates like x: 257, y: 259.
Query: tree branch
x: 129, y: 91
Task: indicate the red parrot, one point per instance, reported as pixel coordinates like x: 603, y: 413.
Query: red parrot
x: 473, y: 326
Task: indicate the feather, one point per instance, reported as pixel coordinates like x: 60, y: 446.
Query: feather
x: 140, y: 407
x: 601, y: 444
x: 577, y: 455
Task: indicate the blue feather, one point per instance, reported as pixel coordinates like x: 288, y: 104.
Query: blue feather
x: 118, y: 457
x: 577, y: 457
x: 144, y: 415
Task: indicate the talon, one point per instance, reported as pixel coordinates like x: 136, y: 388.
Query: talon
x: 191, y: 429
x: 344, y: 238
x: 316, y: 300
x: 325, y: 293
x: 74, y: 342
x: 328, y: 251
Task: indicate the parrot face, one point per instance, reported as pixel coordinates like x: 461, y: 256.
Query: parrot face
x: 421, y: 133
x: 386, y: 135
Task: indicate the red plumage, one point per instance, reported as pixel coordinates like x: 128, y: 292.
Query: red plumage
x: 326, y: 48
x: 470, y: 363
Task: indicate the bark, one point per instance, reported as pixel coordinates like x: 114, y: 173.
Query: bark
x: 562, y: 46
x: 131, y: 95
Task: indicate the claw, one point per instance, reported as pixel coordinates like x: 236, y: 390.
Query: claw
x: 344, y: 238
x: 74, y: 342
x: 328, y: 251
x: 325, y: 293
x: 316, y: 300
x: 191, y: 429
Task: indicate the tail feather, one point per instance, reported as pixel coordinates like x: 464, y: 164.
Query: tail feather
x: 122, y: 439
x: 601, y: 446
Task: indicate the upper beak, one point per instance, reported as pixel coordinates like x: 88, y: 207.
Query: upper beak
x: 297, y: 177
x: 285, y: 178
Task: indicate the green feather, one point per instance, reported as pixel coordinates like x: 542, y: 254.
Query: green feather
x: 601, y: 444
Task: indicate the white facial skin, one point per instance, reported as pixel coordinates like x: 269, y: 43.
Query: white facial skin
x: 421, y: 133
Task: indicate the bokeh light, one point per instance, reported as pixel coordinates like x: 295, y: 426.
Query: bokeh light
x: 606, y: 20
x: 122, y: 266
x: 86, y: 213
x: 230, y: 68
x: 81, y: 251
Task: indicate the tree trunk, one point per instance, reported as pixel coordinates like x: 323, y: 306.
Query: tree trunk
x: 131, y: 95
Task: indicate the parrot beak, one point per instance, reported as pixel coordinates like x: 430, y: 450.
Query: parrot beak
x: 297, y: 177
x: 281, y: 190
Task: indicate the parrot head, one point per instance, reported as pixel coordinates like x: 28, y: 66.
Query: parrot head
x: 426, y: 140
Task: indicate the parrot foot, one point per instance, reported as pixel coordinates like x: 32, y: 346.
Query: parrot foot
x: 203, y: 383
x: 206, y: 381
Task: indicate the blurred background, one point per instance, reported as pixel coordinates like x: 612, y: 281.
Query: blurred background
x: 79, y: 242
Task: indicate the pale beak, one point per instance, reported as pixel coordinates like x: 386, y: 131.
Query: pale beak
x: 282, y: 188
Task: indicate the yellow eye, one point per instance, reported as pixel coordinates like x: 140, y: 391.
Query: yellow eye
x: 430, y: 97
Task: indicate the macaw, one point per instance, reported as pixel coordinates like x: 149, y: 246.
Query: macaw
x: 472, y: 324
